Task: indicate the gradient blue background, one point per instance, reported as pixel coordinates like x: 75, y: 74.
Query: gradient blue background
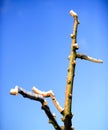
x: 34, y: 46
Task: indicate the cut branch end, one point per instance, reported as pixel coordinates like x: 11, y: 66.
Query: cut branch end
x: 14, y: 91
x: 73, y: 14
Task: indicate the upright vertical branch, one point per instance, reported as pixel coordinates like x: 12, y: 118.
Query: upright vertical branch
x: 70, y: 78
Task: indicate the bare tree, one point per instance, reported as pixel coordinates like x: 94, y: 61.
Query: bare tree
x: 40, y: 96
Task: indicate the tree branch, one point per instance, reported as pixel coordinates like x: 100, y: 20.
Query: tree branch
x: 51, y: 95
x: 85, y: 57
x: 40, y: 95
x: 39, y: 98
x: 70, y: 78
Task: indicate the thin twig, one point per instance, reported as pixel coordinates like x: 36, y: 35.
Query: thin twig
x: 85, y: 57
x: 51, y: 95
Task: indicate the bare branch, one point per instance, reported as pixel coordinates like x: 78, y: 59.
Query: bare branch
x: 71, y: 72
x: 51, y: 95
x: 39, y: 98
x: 51, y: 117
x: 27, y: 94
x: 85, y: 57
x: 41, y: 95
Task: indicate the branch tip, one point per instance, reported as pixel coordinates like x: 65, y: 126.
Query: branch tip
x: 73, y: 14
x: 14, y: 91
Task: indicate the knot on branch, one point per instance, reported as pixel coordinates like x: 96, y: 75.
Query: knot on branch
x: 75, y: 46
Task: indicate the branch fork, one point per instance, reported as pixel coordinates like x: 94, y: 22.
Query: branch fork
x: 51, y: 95
x: 41, y: 95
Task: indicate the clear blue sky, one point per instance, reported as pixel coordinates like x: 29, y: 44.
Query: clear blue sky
x: 34, y: 46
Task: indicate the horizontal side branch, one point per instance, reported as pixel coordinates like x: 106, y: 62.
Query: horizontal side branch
x: 27, y: 94
x: 85, y: 57
x: 51, y: 95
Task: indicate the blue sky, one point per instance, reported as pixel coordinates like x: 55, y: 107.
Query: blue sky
x: 34, y: 46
